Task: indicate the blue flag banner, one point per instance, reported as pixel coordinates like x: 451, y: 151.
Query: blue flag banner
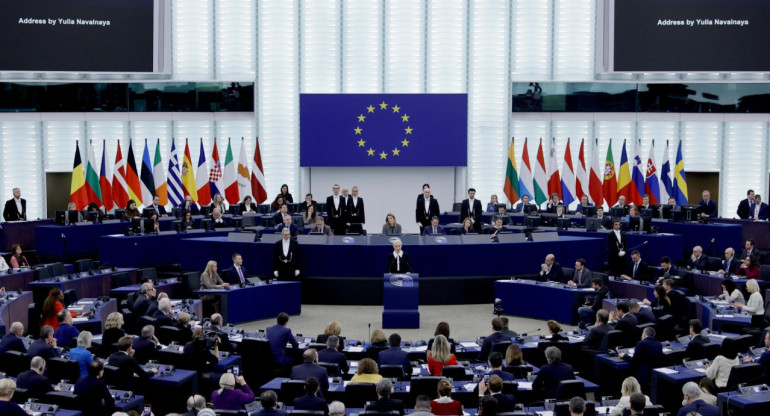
x: 383, y: 129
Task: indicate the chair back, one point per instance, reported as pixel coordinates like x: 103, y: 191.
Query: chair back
x: 568, y: 389
x: 744, y: 373
x: 358, y: 394
x: 519, y: 371
x: 291, y: 389
x: 611, y: 340
x: 510, y: 387
x: 59, y: 369
x: 84, y: 265
x: 167, y: 334
x: 424, y: 385
x: 64, y: 399
x: 392, y: 371
x: 33, y: 320
x: 332, y: 369
x: 14, y: 362
x: 120, y: 280
x: 455, y: 372
x: 147, y: 273
x: 193, y: 281
x: 20, y: 396
x: 70, y: 297
x: 500, y: 347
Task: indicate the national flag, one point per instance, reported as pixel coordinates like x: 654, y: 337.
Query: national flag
x: 525, y: 178
x: 119, y: 187
x: 258, y: 184
x: 78, y: 193
x: 215, y: 174
x: 567, y: 177
x: 105, y: 178
x: 147, y: 181
x: 651, y: 185
x: 244, y: 177
x: 541, y: 180
x: 624, y: 177
x: 132, y: 177
x: 202, y: 178
x: 159, y: 177
x: 188, y: 177
x: 231, y: 180
x: 680, y: 180
x: 511, y: 187
x: 554, y: 183
x: 665, y: 176
x: 596, y: 176
x: 93, y: 189
x: 637, y: 176
x: 175, y: 189
x: 610, y: 185
x: 581, y: 176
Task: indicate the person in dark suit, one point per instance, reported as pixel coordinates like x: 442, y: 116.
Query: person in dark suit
x: 471, y: 208
x: 587, y: 312
x: 582, y: 276
x: 278, y: 216
x: 320, y: 227
x: 625, y: 322
x: 163, y: 316
x: 524, y: 202
x: 333, y: 356
x: 394, y: 355
x: 384, y: 403
x: 494, y: 337
x: 16, y: 207
x: 144, y: 345
x: 157, y: 207
x: 697, y: 260
x: 269, y: 401
x: 730, y: 264
x: 288, y: 224
x: 247, y: 206
x: 434, y: 228
x: 127, y: 365
x: 198, y: 355
x: 33, y: 380
x: 638, y: 269
x: 617, y: 245
x: 355, y: 208
x: 310, y: 401
x: 708, y: 208
x: 145, y: 299
x: 308, y: 202
x: 93, y: 393
x: 337, y: 211
x: 398, y: 260
x: 583, y: 204
x: 764, y: 359
x: 427, y: 208
x: 598, y: 331
x: 552, y: 374
x: 286, y: 257
x: 215, y: 327
x: 191, y: 206
x: 12, y: 340
x: 551, y: 270
x: 217, y: 221
x: 665, y: 271
x: 760, y: 211
x: 550, y: 206
x: 495, y: 362
x: 494, y: 388
x: 45, y: 346
x: 696, y: 339
x: 606, y: 220
x: 237, y: 274
x: 643, y: 315
x: 278, y: 335
x: 310, y: 368
x: 696, y: 405
x: 647, y: 353
x: 746, y: 206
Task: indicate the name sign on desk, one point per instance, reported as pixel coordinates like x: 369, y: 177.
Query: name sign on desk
x: 401, y: 280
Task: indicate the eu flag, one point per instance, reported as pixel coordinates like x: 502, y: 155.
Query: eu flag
x: 383, y: 129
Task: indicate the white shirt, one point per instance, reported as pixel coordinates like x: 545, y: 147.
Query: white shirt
x: 398, y: 255
x: 617, y: 234
x: 355, y: 201
x: 756, y: 211
x: 755, y: 306
x: 336, y: 199
x: 427, y: 205
x: 18, y: 205
x: 286, y: 244
x: 470, y: 205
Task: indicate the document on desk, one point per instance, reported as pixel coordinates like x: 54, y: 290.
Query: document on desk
x: 469, y: 386
x: 544, y: 413
x: 586, y: 289
x: 420, y: 349
x: 469, y: 344
x: 356, y: 349
x: 79, y: 319
x: 666, y: 370
x: 700, y: 370
x: 725, y: 316
x: 525, y: 385
x: 720, y: 336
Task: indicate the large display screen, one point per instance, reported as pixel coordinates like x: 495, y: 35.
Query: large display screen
x: 79, y: 35
x: 691, y: 35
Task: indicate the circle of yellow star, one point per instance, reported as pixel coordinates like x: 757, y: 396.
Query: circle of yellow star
x: 383, y: 105
x: 361, y: 143
x: 396, y: 108
x: 383, y: 155
x: 361, y: 118
x: 405, y: 143
x: 408, y: 130
x: 405, y: 118
x: 370, y: 109
x: 358, y: 130
x: 370, y: 152
x: 396, y: 151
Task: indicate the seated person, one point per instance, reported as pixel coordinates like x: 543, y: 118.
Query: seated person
x: 391, y: 227
x: 525, y: 201
x: 12, y: 340
x: 551, y: 374
x: 495, y: 337
x: 144, y: 345
x: 215, y: 327
x: 587, y: 312
x: 65, y: 333
x: 467, y: 227
x: 320, y: 227
x: 164, y: 316
x: 45, y: 346
x: 492, y: 204
x: 495, y: 362
x: 514, y: 356
x: 494, y: 388
x: 629, y: 387
x: 384, y: 403
x: 444, y: 405
x: 33, y: 380
x: 554, y: 331
x: 598, y: 331
x: 187, y: 222
x: 81, y: 354
x: 550, y: 270
x: 626, y: 322
x: 760, y: 211
x: 282, y: 211
x: 127, y: 365
x: 247, y: 206
x: 695, y: 404
x: 199, y: 355
x: 749, y: 268
x: 730, y: 293
x: 606, y: 219
x: 332, y: 356
x: 310, y: 401
x: 638, y: 269
x: 394, y: 355
x: 643, y: 315
x: 583, y: 204
x: 554, y: 202
x: 237, y: 274
x: 310, y: 368
x: 434, y: 228
x: 191, y: 206
x: 730, y: 264
x: 647, y: 352
x: 287, y: 223
x: 303, y: 206
x: 696, y: 339
x: 217, y: 220
x: 113, y: 329
x: 662, y: 302
x: 93, y: 393
x: 496, y: 228
x: 183, y: 323
x: 697, y: 260
x: 440, y: 356
x: 708, y: 208
x: 228, y: 397
x: 665, y: 271
x: 367, y: 372
x: 582, y: 276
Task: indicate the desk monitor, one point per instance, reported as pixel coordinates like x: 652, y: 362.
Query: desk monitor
x: 640, y: 224
x: 532, y: 222
x: 236, y: 222
x: 119, y: 214
x: 647, y: 212
x: 617, y: 212
x: 548, y: 219
x: 549, y: 236
x: 665, y: 212
x: 593, y: 224
x: 563, y: 223
x: 270, y: 238
x: 506, y: 219
x: 205, y: 210
x: 233, y: 209
x: 205, y: 224
x: 136, y: 225
x: 528, y: 208
x: 511, y: 238
x: 690, y: 212
x: 73, y: 216
x: 589, y: 211
x: 242, y: 237
x: 92, y: 217
x: 60, y: 218
x: 146, y: 212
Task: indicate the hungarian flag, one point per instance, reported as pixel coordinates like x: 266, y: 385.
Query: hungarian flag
x: 93, y: 189
x: 624, y: 177
x: 159, y: 177
x: 567, y: 177
x: 119, y: 188
x: 610, y: 185
x: 78, y: 193
x: 595, y: 178
x: 511, y: 188
x: 258, y: 184
x: 581, y: 177
x: 525, y: 179
x: 541, y: 180
x: 215, y: 174
x: 105, y: 178
x: 132, y: 177
x: 148, y: 182
x: 244, y: 177
x: 231, y: 180
x: 188, y: 177
x: 554, y: 183
x: 202, y: 178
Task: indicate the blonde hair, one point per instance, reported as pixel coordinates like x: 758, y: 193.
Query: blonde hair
x: 226, y: 382
x: 367, y: 366
x: 183, y: 318
x: 513, y: 355
x: 7, y: 387
x: 630, y: 386
x: 114, y: 320
x: 444, y: 387
x: 333, y: 328
x: 440, y: 351
x: 752, y: 286
x: 209, y: 265
x: 378, y: 337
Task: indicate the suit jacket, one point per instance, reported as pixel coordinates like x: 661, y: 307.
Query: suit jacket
x: 505, y: 402
x: 40, y: 348
x: 395, y: 356
x: 694, y: 343
x: 644, y: 316
x: 224, y: 339
x: 37, y: 385
x: 606, y: 222
x: 141, y: 305
x: 11, y: 342
x: 423, y: 217
x: 11, y: 213
x: 614, y: 245
x: 520, y: 207
x: 744, y: 208
x: 709, y: 208
x: 161, y: 210
x: 642, y: 271
x: 672, y: 273
x: 336, y: 215
x: 293, y: 229
x: 162, y: 319
x: 312, y: 403
x: 127, y: 367
x: 94, y: 396
x: 466, y: 213
x: 400, y: 266
x: 386, y: 404
x: 486, y: 346
x: 550, y: 376
x: 428, y: 230
x: 732, y: 267
x: 580, y: 207
x: 305, y: 370
x: 330, y: 355
x: 326, y: 230
x: 233, y: 277
x: 356, y: 214
x: 242, y: 207
x: 699, y: 407
x: 627, y: 324
x: 286, y: 263
x: 585, y: 278
x: 599, y: 297
x: 278, y: 336
x: 144, y: 349
x: 647, y: 353
x: 593, y: 340
x: 700, y: 264
x: 193, y: 209
x: 556, y: 273
x: 762, y: 214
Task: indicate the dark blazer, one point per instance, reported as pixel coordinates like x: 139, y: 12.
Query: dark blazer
x: 303, y: 205
x: 386, y: 404
x: 647, y: 353
x: 141, y: 305
x: 11, y: 342
x: 144, y: 349
x: 193, y: 208
x: 644, y: 316
x: 312, y: 403
x: 224, y: 339
x: 506, y: 376
x: 694, y: 343
x: 423, y: 217
x: 505, y: 402
x: 37, y: 385
x: 520, y: 207
x: 762, y: 214
x: 278, y: 336
x: 293, y: 229
x: 595, y: 336
x: 395, y: 356
x: 232, y: 275
x: 550, y: 376
x: 616, y: 263
x: 709, y: 208
x: 330, y: 355
x: 732, y: 267
x: 286, y: 264
x: 11, y: 213
x: 744, y: 208
x: 401, y: 266
x: 356, y: 214
x: 94, y: 396
x: 599, y: 297
x: 556, y: 273
x: 40, y: 348
x: 606, y: 221
x: 336, y: 215
x: 486, y: 346
x: 161, y: 210
x: 585, y: 278
x: 627, y: 324
x: 162, y: 319
x: 580, y: 207
x: 326, y: 230
x: 271, y: 412
x: 111, y: 336
x: 672, y: 273
x: 699, y: 407
x: 642, y: 271
x: 428, y: 230
x: 699, y: 264
x: 477, y: 211
x: 127, y: 367
x: 242, y: 207
x: 305, y: 370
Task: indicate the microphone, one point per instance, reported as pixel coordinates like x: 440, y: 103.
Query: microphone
x: 370, y: 330
x: 524, y: 334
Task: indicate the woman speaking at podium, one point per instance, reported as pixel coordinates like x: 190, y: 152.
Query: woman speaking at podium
x: 398, y: 261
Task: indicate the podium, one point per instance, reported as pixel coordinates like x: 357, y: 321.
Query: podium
x: 401, y: 301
